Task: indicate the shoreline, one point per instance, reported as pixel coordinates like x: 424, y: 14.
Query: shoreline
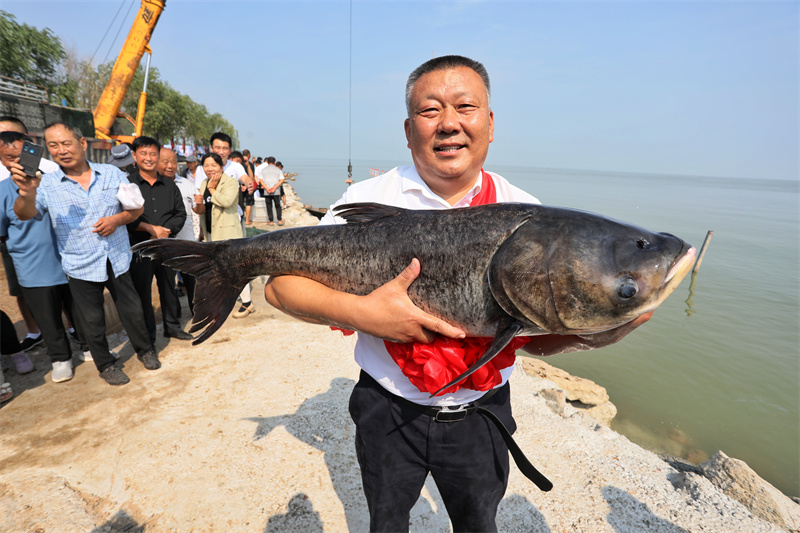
x: 250, y: 432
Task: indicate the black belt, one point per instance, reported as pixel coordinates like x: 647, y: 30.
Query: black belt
x: 460, y: 412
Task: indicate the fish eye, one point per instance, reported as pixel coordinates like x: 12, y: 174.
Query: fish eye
x: 642, y: 244
x: 627, y: 289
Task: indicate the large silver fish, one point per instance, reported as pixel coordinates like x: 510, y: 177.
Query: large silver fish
x: 498, y: 270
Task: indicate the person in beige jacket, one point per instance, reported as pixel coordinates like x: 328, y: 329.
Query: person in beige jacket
x: 218, y: 207
x: 217, y: 202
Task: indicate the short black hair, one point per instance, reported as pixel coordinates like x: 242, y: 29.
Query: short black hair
x: 10, y: 137
x: 235, y: 155
x: 15, y: 120
x: 446, y: 63
x: 213, y: 156
x: 75, y: 130
x: 142, y: 141
x: 271, y: 160
x: 224, y: 137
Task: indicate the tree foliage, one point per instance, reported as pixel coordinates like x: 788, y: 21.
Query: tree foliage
x: 32, y: 55
x: 37, y: 56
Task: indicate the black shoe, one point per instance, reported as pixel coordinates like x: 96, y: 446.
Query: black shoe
x: 180, y: 335
x: 150, y: 360
x: 114, y: 376
x: 28, y: 343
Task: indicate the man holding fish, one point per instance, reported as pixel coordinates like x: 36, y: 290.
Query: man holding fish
x: 407, y: 355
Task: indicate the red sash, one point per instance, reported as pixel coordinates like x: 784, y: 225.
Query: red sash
x: 431, y: 366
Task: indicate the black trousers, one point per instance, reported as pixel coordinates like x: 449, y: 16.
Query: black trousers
x: 88, y: 310
x: 9, y: 343
x: 142, y: 271
x: 397, y: 447
x: 45, y: 304
x: 269, y: 200
x: 188, y: 285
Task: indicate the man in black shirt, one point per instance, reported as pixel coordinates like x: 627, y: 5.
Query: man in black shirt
x: 163, y: 217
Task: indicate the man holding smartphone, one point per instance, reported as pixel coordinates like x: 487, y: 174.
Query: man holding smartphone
x: 92, y: 240
x: 31, y: 246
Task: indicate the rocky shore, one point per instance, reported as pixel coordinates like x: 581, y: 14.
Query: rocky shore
x: 250, y: 432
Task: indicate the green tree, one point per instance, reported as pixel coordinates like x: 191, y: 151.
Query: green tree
x: 32, y: 55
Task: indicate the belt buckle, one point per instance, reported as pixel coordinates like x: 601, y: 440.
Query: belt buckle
x: 451, y: 415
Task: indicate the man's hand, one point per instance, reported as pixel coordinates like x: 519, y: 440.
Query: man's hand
x: 106, y: 226
x: 27, y: 184
x: 160, y: 232
x: 388, y: 313
x: 556, y: 344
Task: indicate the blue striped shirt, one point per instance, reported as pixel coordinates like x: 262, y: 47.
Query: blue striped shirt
x: 73, y: 214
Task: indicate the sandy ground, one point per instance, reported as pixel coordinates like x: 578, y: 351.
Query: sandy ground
x: 249, y: 432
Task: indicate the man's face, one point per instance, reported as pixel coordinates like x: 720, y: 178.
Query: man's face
x: 192, y: 165
x: 9, y: 153
x: 65, y: 149
x: 237, y: 160
x: 146, y: 158
x: 450, y: 126
x: 11, y: 126
x: 168, y: 163
x: 222, y: 149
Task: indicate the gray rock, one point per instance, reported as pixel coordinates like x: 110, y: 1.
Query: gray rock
x: 740, y: 482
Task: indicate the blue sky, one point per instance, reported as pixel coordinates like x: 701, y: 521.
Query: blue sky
x: 689, y: 88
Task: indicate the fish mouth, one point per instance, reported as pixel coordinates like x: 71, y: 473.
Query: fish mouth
x: 680, y: 267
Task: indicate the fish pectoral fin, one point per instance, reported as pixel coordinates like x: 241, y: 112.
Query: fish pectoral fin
x: 366, y: 212
x: 501, y: 340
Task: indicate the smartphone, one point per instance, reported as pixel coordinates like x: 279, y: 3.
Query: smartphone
x: 30, y: 157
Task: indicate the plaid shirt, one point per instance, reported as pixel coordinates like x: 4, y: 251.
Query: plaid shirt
x: 74, y: 212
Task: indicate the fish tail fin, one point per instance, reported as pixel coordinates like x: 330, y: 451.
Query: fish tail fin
x: 216, y: 289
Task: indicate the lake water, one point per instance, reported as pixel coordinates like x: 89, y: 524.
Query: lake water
x: 718, y: 366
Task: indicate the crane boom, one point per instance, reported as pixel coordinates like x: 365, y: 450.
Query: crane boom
x: 125, y: 67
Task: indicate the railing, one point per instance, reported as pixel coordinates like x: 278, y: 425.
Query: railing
x: 23, y: 89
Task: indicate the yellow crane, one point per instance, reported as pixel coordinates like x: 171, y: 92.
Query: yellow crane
x: 136, y: 44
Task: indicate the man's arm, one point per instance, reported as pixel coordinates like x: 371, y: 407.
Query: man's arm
x: 25, y: 204
x: 108, y: 225
x: 555, y: 344
x: 157, y: 232
x: 387, y: 312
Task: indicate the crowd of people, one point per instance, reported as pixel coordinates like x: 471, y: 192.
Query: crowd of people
x: 66, y: 234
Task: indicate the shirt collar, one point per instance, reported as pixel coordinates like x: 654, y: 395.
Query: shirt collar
x: 138, y: 179
x: 60, y: 176
x: 412, y: 181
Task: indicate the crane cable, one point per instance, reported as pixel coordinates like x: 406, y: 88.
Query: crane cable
x: 350, y: 106
x: 107, y: 30
x: 121, y: 24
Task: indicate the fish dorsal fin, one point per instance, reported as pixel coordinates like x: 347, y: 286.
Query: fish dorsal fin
x: 366, y: 212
